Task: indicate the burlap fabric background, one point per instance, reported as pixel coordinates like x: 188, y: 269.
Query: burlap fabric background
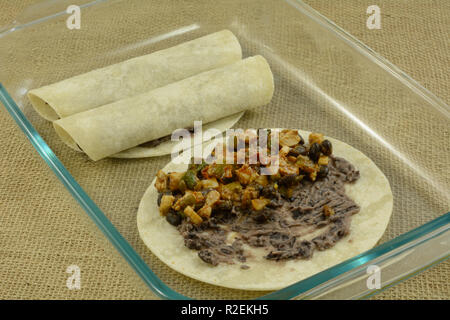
x: 43, y: 231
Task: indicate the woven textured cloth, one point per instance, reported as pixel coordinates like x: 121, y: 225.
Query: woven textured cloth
x: 43, y: 230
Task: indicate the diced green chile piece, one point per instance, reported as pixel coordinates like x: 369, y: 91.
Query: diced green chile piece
x: 219, y: 170
x: 197, y: 168
x: 234, y: 187
x: 190, y: 178
x: 187, y: 200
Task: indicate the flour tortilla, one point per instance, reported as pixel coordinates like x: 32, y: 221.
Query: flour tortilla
x: 167, y: 147
x: 371, y: 192
x: 135, y: 76
x: 208, y: 96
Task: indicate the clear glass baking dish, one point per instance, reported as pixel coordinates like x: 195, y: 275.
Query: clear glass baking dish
x: 325, y: 79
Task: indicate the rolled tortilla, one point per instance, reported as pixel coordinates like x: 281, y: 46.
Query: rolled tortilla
x: 135, y: 76
x: 211, y: 95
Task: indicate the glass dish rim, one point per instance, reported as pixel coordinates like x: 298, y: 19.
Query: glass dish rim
x: 134, y: 259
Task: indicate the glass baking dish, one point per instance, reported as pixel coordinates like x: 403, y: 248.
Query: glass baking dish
x: 325, y: 80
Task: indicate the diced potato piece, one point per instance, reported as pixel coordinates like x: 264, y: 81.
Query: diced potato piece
x: 306, y: 165
x: 259, y: 204
x: 193, y: 216
x: 231, y: 191
x: 272, y: 170
x: 205, y: 211
x: 284, y: 151
x: 246, y: 174
x: 161, y: 181
x: 315, y: 137
x: 209, y: 183
x: 262, y: 180
x: 323, y: 160
x: 220, y: 171
x: 166, y: 204
x: 174, y: 180
x: 289, y: 138
x: 287, y: 167
x: 249, y: 194
x: 199, y: 198
x: 212, y: 197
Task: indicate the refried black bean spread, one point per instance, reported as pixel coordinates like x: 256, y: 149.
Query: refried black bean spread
x: 225, y: 210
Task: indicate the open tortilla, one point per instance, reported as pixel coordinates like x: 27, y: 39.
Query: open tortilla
x: 135, y: 76
x: 208, y: 96
x: 371, y: 192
